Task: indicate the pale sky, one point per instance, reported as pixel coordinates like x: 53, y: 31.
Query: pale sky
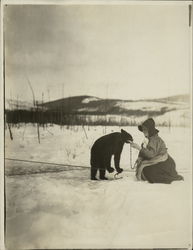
x: 112, y: 51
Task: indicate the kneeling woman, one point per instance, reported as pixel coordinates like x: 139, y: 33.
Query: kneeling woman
x: 154, y: 164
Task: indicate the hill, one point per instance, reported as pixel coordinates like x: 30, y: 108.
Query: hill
x: 173, y: 110
x: 94, y: 105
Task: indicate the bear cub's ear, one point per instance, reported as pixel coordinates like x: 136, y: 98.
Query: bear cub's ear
x: 126, y: 136
x: 124, y: 132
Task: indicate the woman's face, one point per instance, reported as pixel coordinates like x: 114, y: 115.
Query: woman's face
x: 145, y: 132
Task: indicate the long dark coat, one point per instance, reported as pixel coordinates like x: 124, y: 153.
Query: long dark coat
x: 162, y: 172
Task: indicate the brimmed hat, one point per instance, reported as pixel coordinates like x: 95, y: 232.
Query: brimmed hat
x: 149, y: 124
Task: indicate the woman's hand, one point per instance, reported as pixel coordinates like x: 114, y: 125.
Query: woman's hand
x: 135, y: 145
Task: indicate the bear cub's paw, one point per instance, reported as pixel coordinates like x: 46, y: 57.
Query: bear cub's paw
x: 104, y: 178
x: 94, y: 179
x: 119, y: 170
x: 110, y: 170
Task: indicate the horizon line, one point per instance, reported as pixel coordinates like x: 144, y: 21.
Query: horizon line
x: 92, y: 96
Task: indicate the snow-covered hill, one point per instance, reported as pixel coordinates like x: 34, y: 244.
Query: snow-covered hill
x: 94, y: 105
x: 174, y: 110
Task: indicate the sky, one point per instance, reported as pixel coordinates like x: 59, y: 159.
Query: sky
x: 109, y: 51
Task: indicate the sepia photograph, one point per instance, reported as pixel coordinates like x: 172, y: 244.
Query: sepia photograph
x: 97, y: 124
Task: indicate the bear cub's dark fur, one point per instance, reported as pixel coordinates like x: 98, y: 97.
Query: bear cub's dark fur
x: 102, y: 151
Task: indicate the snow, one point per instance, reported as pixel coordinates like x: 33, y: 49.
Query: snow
x: 87, y: 109
x: 48, y: 207
x: 72, y: 145
x: 90, y: 99
x: 151, y: 105
x: 177, y: 114
x: 175, y: 117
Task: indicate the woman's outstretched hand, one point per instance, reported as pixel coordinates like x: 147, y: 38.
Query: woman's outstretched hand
x: 135, y: 145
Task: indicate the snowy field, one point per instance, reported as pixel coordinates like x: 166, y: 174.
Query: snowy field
x: 57, y: 206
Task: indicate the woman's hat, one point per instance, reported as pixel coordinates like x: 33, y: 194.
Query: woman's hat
x: 149, y: 124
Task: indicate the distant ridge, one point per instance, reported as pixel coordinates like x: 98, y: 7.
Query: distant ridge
x: 93, y: 105
x: 177, y: 99
x: 93, y: 110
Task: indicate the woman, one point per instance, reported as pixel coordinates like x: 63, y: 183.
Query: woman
x: 154, y: 164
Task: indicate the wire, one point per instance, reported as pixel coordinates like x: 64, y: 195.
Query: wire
x: 48, y: 163
x: 56, y: 164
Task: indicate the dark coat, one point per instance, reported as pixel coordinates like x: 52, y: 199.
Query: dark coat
x: 158, y: 171
x: 162, y: 172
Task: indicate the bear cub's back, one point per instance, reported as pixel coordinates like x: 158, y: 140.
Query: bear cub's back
x: 108, y: 140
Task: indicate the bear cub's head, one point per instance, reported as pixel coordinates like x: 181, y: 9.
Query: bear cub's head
x: 126, y: 136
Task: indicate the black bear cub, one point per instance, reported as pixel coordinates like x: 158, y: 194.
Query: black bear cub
x: 102, y: 151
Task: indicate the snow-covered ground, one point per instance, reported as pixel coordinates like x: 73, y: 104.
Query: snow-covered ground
x: 151, y: 105
x: 50, y: 208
